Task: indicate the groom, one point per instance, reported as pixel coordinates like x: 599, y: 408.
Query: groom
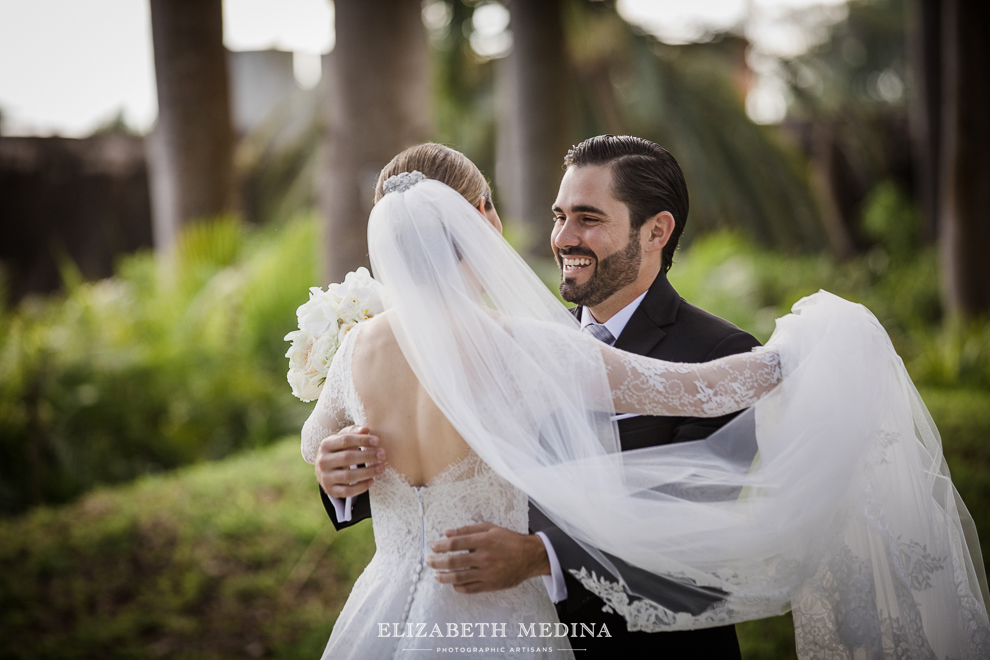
x: 619, y: 213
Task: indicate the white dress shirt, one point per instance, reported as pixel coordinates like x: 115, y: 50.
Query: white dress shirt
x: 554, y: 582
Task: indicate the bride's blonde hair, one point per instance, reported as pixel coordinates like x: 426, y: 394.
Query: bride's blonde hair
x: 444, y: 164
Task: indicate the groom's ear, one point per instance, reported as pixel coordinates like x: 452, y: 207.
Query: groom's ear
x: 656, y: 231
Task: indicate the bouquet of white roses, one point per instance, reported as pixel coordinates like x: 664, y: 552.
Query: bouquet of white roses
x: 323, y: 322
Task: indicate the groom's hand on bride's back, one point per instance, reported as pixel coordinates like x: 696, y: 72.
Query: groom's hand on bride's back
x: 338, y: 454
x: 491, y: 558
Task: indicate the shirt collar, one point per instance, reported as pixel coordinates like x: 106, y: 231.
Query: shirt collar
x: 618, y: 322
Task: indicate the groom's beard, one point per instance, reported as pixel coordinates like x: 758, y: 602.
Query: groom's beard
x: 612, y: 273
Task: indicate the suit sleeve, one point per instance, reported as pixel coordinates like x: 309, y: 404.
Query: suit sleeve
x: 568, y: 554
x: 360, y: 510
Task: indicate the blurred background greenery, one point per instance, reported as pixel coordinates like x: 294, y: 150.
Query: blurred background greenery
x: 110, y: 548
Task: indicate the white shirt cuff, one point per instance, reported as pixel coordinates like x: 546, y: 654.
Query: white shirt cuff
x: 342, y: 508
x: 555, y: 581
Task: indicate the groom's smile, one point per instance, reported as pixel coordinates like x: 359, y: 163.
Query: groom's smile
x: 573, y: 262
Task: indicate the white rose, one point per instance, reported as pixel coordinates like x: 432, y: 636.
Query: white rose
x: 302, y: 345
x: 361, y: 297
x: 333, y: 294
x: 323, y: 351
x: 303, y: 387
x: 359, y: 277
x: 317, y: 314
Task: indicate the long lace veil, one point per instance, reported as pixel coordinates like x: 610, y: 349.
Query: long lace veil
x: 830, y: 496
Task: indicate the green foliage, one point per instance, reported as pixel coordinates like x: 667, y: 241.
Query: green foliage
x: 891, y: 219
x: 165, y: 364
x: 963, y: 419
x: 751, y: 286
x: 956, y: 356
x: 226, y: 560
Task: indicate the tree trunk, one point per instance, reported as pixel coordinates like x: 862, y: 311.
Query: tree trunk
x: 925, y: 51
x: 965, y: 164
x: 533, y: 118
x: 191, y: 149
x: 378, y: 104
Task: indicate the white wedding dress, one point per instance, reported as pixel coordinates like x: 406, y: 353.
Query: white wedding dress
x: 846, y: 515
x: 397, y: 588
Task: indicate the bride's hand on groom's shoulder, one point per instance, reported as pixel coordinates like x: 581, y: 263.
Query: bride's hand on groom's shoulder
x: 490, y: 558
x: 338, y: 454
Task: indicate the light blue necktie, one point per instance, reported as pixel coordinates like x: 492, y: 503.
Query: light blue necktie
x: 599, y: 332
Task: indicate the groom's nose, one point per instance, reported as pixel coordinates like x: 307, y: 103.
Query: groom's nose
x: 564, y: 236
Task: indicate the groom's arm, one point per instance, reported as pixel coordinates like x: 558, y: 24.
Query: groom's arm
x: 346, y: 465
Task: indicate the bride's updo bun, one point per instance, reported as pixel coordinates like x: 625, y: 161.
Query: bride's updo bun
x: 444, y: 164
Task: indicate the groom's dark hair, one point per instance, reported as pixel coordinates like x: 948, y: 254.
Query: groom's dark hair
x: 645, y: 177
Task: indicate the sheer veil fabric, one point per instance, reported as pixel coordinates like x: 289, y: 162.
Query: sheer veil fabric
x: 830, y: 496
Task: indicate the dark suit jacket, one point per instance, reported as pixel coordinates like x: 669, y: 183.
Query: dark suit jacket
x: 666, y: 327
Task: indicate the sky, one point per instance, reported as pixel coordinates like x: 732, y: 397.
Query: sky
x: 68, y: 66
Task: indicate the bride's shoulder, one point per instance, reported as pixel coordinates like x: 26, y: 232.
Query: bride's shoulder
x: 375, y: 332
x: 378, y: 325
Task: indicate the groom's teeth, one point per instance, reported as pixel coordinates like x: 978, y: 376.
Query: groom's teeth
x: 577, y: 262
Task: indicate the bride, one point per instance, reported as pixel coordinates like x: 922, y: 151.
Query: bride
x: 489, y: 400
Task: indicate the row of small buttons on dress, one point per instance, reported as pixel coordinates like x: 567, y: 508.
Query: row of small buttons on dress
x: 418, y: 571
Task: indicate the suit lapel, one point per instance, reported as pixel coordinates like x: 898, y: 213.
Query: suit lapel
x: 645, y: 328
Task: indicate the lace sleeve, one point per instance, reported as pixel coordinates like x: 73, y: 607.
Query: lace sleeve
x: 648, y: 386
x: 333, y: 409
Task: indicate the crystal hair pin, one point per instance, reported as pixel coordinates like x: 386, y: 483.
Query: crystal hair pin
x: 402, y: 181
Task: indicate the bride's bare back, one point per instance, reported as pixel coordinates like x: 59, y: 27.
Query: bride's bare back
x: 418, y: 440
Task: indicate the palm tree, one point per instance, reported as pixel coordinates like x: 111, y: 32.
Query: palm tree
x: 534, y: 117
x: 377, y: 105
x: 964, y: 176
x: 191, y: 149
